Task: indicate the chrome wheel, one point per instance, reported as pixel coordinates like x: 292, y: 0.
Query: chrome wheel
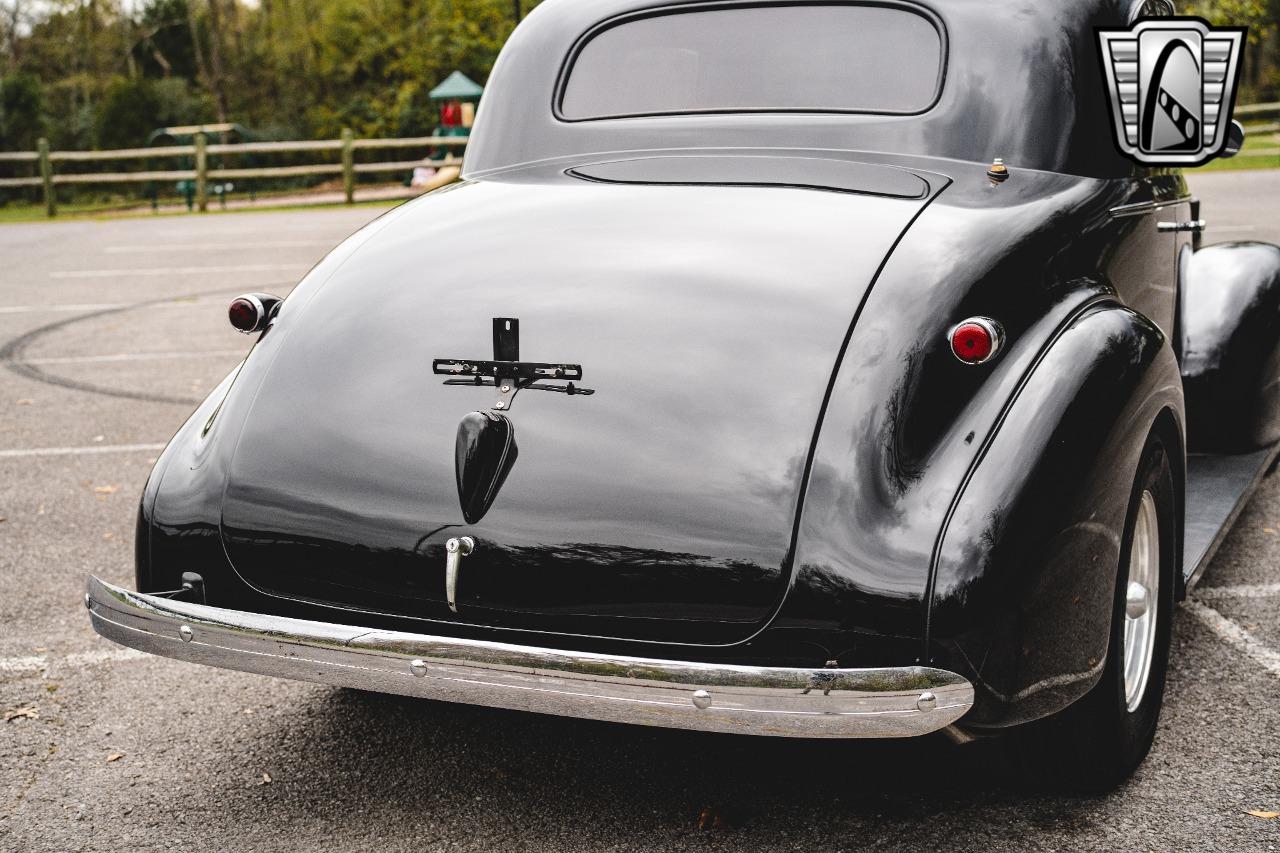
x: 1141, y: 600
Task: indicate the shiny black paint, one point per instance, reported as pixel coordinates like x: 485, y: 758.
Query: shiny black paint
x: 725, y: 170
x: 904, y: 425
x: 1026, y: 570
x: 783, y: 462
x: 484, y: 452
x: 904, y: 421
x: 907, y: 423
x: 1231, y: 347
x: 661, y: 507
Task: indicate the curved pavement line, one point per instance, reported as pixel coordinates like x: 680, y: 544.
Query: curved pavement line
x: 12, y: 351
x: 91, y: 450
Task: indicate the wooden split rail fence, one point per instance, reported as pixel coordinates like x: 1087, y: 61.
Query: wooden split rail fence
x: 1260, y: 120
x: 201, y: 174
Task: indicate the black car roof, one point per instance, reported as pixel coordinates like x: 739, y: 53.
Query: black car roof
x: 1022, y: 80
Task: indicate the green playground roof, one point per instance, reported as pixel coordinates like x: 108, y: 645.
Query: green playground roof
x: 456, y: 87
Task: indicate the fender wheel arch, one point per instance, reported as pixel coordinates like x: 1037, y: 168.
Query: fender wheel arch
x: 1097, y: 742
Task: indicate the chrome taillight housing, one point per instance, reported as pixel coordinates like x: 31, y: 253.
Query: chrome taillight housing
x: 976, y: 340
x: 251, y: 312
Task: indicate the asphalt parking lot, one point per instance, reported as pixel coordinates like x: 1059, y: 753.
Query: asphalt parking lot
x: 109, y: 334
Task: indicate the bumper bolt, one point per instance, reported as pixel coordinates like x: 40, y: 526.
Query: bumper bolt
x: 419, y: 667
x: 186, y: 633
x: 701, y: 700
x: 927, y: 701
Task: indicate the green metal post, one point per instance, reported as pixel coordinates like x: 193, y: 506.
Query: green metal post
x: 202, y: 174
x: 46, y: 174
x: 348, y: 164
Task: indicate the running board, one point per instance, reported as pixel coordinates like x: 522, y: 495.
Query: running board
x: 1218, y: 487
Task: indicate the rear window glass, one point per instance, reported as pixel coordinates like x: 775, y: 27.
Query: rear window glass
x: 808, y: 58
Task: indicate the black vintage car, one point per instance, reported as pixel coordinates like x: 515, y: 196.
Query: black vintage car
x: 795, y: 368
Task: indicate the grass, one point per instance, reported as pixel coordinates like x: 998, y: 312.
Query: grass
x: 1247, y: 158
x: 32, y: 212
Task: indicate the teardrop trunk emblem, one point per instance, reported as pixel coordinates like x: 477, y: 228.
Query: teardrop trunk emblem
x: 484, y: 453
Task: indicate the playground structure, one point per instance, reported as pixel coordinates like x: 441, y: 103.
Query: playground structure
x: 186, y: 135
x: 457, y: 95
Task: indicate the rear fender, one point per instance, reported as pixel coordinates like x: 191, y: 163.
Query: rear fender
x: 1024, y: 576
x: 1231, y: 347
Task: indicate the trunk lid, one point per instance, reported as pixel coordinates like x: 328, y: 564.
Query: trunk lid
x: 707, y: 322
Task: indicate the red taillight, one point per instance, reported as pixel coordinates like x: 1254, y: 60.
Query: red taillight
x: 976, y: 340
x: 245, y: 314
x: 252, y: 311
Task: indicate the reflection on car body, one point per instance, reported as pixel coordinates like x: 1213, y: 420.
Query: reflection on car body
x: 865, y: 418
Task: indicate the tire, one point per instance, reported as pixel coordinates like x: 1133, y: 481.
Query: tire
x: 1098, y: 741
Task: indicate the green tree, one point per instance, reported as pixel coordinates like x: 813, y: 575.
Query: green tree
x: 22, y: 114
x: 1260, y: 76
x: 113, y: 70
x: 164, y: 47
x: 130, y: 111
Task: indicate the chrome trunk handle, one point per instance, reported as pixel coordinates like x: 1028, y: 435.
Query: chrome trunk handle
x: 455, y: 550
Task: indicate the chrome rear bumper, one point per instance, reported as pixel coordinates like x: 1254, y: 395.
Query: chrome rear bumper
x: 789, y: 702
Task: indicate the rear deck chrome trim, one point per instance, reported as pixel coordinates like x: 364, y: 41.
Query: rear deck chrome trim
x: 778, y: 701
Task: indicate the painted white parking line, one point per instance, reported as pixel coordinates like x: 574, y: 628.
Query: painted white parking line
x: 1235, y: 636
x: 133, y: 356
x: 79, y: 660
x: 29, y: 663
x: 336, y: 231
x: 210, y: 270
x: 215, y: 247
x: 82, y: 306
x: 1220, y: 593
x: 18, y: 453
x: 115, y: 654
